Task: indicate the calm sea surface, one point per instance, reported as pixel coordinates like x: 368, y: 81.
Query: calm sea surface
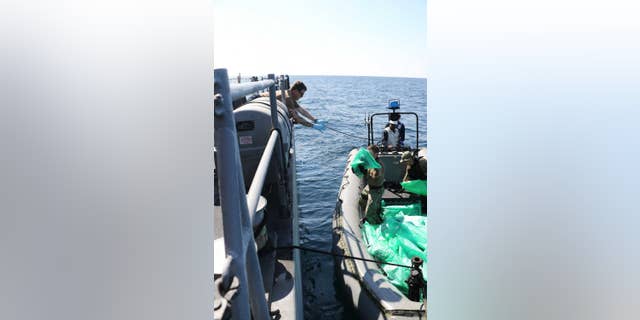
x: 343, y: 102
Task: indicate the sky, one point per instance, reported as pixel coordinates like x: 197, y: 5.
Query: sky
x: 332, y: 37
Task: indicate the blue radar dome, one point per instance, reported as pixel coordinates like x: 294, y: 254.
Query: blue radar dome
x: 394, y: 104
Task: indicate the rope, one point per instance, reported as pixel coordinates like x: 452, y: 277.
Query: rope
x: 339, y: 255
x: 424, y: 288
x: 346, y: 134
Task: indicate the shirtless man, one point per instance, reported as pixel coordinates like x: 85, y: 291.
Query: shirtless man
x: 298, y: 113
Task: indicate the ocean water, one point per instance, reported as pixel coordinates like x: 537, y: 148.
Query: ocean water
x: 321, y: 157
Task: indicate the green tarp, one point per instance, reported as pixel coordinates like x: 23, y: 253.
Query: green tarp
x: 401, y: 236
x: 364, y: 158
x: 415, y: 186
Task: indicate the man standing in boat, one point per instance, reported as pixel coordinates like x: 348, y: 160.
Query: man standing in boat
x: 298, y: 113
x: 374, y: 188
x: 400, y: 127
x: 391, y: 136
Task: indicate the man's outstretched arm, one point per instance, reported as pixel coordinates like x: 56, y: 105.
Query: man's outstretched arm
x: 306, y: 113
x: 298, y: 119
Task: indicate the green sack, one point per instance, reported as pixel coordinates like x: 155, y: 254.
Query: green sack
x: 397, y: 239
x: 366, y: 160
x: 414, y: 209
x: 415, y: 186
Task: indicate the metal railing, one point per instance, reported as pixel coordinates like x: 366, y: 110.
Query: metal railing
x: 253, y: 196
x: 370, y: 129
x: 240, y: 90
x: 238, y: 208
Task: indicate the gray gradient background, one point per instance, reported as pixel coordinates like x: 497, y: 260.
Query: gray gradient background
x: 534, y: 153
x: 106, y: 161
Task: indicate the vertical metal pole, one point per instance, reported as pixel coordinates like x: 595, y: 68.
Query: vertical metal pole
x: 369, y: 131
x: 272, y: 101
x: 282, y: 91
x: 230, y: 199
x: 417, y: 133
x: 259, y: 307
x: 274, y: 115
x: 233, y: 200
x: 279, y: 155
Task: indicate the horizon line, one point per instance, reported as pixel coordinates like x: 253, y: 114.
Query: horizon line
x: 370, y: 76
x: 244, y: 75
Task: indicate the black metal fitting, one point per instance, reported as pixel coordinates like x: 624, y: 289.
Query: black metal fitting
x: 415, y: 280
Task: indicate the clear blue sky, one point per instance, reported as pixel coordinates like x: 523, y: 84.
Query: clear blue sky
x: 373, y: 37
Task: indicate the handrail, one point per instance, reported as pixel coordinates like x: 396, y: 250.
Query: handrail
x: 253, y: 196
x: 239, y: 90
x: 238, y: 208
x: 237, y: 226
